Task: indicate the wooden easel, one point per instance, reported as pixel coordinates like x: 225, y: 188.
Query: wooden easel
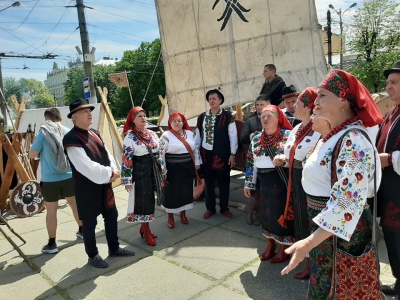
x: 111, y: 136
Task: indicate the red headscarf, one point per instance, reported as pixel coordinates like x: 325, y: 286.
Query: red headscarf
x: 178, y: 115
x: 307, y: 97
x: 346, y: 86
x: 129, y: 125
x: 283, y: 122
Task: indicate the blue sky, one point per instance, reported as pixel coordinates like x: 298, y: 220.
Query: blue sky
x: 39, y: 27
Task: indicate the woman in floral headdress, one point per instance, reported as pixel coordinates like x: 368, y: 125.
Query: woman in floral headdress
x: 337, y: 202
x: 300, y: 142
x: 273, y: 181
x: 178, y: 156
x: 137, y: 171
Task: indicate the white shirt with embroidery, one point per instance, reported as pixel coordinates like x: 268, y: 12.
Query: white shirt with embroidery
x: 304, y: 147
x: 208, y: 133
x: 261, y: 159
x: 134, y: 147
x: 169, y: 143
x: 348, y: 196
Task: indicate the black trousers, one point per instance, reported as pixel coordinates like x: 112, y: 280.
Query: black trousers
x: 110, y: 217
x: 392, y: 240
x: 223, y: 179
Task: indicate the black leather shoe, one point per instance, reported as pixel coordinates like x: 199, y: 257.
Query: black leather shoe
x: 121, y: 252
x: 98, y: 262
x: 393, y: 289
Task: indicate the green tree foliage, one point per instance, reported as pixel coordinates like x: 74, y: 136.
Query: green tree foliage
x: 11, y: 87
x: 32, y: 87
x: 74, y: 86
x: 35, y: 90
x: 141, y: 64
x: 376, y: 40
x: 42, y: 100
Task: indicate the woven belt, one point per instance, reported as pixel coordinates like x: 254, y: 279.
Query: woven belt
x: 316, y: 203
x: 297, y: 164
x: 265, y: 170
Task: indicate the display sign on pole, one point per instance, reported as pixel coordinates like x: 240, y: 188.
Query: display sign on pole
x: 86, y: 88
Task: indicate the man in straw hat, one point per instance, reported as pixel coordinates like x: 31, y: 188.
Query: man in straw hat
x: 94, y: 169
x: 388, y: 145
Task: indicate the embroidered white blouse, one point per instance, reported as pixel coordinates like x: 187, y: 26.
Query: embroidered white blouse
x: 355, y: 168
x: 260, y: 159
x: 304, y: 147
x: 169, y: 143
x: 134, y: 147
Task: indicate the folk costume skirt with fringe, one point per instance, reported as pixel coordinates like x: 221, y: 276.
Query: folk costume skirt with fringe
x: 272, y: 206
x: 180, y: 178
x: 321, y: 257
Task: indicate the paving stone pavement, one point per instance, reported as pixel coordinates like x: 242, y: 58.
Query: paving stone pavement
x: 206, y: 259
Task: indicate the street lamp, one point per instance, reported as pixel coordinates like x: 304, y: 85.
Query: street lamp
x: 17, y: 3
x: 340, y: 14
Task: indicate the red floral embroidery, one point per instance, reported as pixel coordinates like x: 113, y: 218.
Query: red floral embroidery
x: 348, y: 217
x: 217, y: 162
x: 359, y: 176
x: 345, y: 181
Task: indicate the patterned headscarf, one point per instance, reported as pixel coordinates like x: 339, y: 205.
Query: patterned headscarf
x: 346, y: 86
x: 283, y: 122
x: 307, y: 97
x: 178, y: 115
x: 129, y: 125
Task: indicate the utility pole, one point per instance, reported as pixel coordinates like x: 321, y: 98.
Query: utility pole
x: 329, y: 34
x: 341, y: 38
x: 88, y: 55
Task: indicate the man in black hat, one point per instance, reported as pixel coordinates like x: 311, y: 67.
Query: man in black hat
x: 216, y: 139
x: 273, y: 85
x: 388, y: 145
x: 289, y: 98
x: 94, y: 169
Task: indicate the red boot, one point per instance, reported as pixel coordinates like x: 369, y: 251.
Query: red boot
x: 148, y: 235
x: 306, y: 273
x: 270, y: 251
x: 171, y: 221
x: 184, y: 220
x: 281, y: 256
x: 142, y: 231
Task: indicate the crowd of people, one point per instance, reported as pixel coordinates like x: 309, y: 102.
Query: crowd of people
x: 312, y: 168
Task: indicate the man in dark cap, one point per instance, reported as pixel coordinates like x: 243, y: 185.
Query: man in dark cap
x: 216, y: 139
x: 388, y: 145
x: 289, y: 98
x: 94, y: 169
x: 273, y: 85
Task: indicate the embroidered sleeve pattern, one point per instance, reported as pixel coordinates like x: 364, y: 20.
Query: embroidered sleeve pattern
x: 251, y: 170
x: 127, y: 162
x: 355, y: 168
x: 164, y: 141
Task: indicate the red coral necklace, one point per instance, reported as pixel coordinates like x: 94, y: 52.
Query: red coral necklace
x: 339, y: 128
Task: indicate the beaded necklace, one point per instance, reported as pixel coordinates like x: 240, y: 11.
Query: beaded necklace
x: 302, y: 129
x: 183, y: 134
x: 339, y: 128
x: 270, y: 140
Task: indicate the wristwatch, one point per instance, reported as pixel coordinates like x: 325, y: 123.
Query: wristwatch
x: 233, y: 155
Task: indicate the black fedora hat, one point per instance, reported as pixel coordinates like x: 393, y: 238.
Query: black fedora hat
x: 289, y: 92
x: 215, y: 91
x: 78, y: 105
x: 396, y: 68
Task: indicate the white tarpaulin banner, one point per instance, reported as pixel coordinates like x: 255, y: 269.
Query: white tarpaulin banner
x: 225, y: 45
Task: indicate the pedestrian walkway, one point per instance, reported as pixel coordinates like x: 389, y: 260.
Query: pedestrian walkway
x: 215, y: 258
